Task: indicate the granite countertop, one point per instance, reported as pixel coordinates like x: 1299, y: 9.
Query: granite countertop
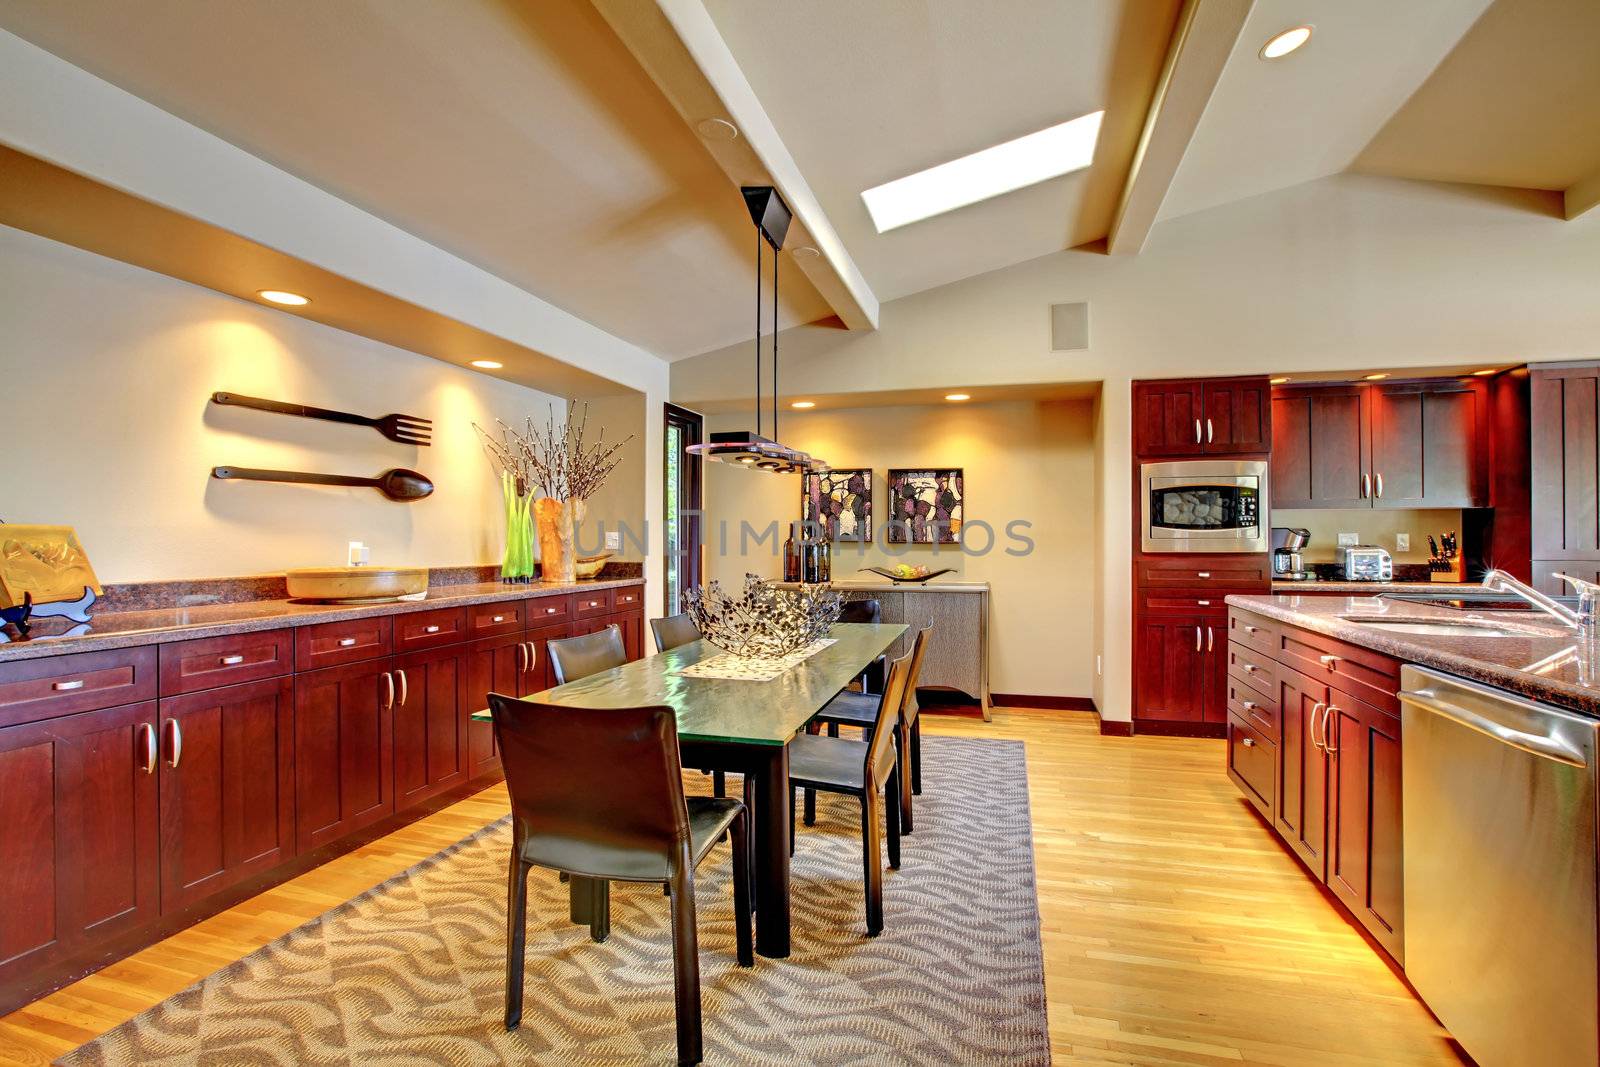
x: 1540, y: 663
x: 1330, y: 585
x: 122, y: 629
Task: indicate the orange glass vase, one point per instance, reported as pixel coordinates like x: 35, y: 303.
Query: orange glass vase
x: 558, y: 555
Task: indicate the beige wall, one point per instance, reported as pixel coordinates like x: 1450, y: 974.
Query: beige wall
x: 1021, y: 461
x: 106, y: 371
x: 621, y: 501
x: 1376, y: 526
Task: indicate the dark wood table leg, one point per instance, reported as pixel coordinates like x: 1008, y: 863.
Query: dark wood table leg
x: 772, y: 795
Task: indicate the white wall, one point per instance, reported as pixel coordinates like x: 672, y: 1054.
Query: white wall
x: 1349, y: 272
x: 1032, y: 462
x: 106, y: 373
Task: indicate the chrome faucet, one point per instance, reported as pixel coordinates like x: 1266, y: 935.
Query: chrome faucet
x: 1582, y: 620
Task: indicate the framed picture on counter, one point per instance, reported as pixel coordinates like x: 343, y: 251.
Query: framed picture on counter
x: 926, y: 505
x: 841, y: 499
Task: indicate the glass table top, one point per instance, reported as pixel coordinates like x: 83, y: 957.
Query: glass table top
x: 731, y: 710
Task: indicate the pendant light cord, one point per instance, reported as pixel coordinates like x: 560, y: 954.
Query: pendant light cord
x: 774, y: 345
x: 758, y: 334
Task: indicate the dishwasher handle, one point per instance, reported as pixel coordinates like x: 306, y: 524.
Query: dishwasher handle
x: 1546, y: 747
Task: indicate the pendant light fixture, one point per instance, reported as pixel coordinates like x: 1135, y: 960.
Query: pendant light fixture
x: 751, y: 449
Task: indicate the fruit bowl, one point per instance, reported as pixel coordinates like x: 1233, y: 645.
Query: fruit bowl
x: 909, y: 572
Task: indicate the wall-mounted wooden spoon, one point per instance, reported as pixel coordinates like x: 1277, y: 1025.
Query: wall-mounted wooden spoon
x: 398, y: 484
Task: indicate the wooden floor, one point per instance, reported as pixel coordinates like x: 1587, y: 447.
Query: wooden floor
x: 1176, y: 929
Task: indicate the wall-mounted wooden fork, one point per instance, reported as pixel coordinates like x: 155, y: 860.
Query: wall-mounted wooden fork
x: 406, y: 429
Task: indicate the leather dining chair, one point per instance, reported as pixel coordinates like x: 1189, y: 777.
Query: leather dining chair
x: 573, y: 813
x: 862, y: 769
x: 586, y: 654
x: 866, y: 611
x: 674, y: 630
x: 859, y: 709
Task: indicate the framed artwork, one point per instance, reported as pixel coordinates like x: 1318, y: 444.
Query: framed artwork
x: 926, y: 506
x: 843, y: 500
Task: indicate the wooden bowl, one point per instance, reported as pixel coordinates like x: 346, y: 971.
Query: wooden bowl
x: 591, y: 566
x: 356, y: 585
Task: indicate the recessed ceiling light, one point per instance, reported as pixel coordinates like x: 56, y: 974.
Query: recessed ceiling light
x: 1278, y: 381
x: 1013, y: 165
x: 1484, y: 373
x: 487, y: 364
x: 1286, y: 42
x: 279, y: 296
x: 957, y: 396
x: 806, y: 252
x: 1376, y: 377
x: 803, y: 404
x: 717, y: 129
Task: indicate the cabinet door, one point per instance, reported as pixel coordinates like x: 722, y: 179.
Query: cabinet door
x: 1565, y: 472
x: 1167, y: 419
x: 343, y: 750
x: 1237, y: 416
x: 1319, y: 448
x: 1214, y: 670
x: 1364, y: 853
x: 632, y: 626
x: 1302, y: 815
x: 542, y: 676
x: 78, y: 834
x: 227, y: 787
x: 430, y: 728
x: 1425, y: 446
x: 1170, y: 670
x: 495, y: 665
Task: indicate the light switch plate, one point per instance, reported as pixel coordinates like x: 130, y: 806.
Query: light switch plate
x: 1348, y: 539
x: 1402, y: 542
x: 613, y: 540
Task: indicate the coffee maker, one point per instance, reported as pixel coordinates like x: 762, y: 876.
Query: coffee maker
x: 1287, y: 566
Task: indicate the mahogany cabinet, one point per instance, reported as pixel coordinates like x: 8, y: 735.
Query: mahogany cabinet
x: 78, y: 834
x: 343, y: 750
x: 1364, y: 848
x: 1180, y: 674
x: 494, y: 665
x: 1302, y: 808
x: 227, y: 787
x: 1201, y: 417
x: 1417, y: 444
x: 1565, y: 471
x: 430, y: 724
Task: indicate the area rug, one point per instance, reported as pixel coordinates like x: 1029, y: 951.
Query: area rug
x: 412, y: 971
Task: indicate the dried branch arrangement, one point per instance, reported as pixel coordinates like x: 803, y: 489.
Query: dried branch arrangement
x: 557, y: 461
x: 765, y: 622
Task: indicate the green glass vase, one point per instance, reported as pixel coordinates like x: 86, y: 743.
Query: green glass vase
x: 518, y: 565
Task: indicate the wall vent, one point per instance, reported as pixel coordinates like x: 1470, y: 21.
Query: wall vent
x: 1069, y: 327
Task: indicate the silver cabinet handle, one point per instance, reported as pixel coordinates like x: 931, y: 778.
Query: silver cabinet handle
x: 346, y: 642
x: 1203, y: 603
x: 1203, y: 574
x: 1327, y: 735
x: 1197, y: 639
x: 231, y: 661
x: 594, y: 603
x: 1252, y: 629
x: 62, y: 687
x: 147, y: 737
x: 388, y: 680
x: 522, y: 658
x: 1196, y: 431
x: 499, y: 618
x: 1250, y: 705
x: 430, y: 629
x: 1328, y: 661
x: 174, y: 743
x: 549, y: 611
x: 1248, y: 743
x: 1378, y: 480
x: 1209, y: 636
x: 533, y: 655
x: 1316, y: 714
x: 405, y: 688
x: 1249, y: 668
x: 1366, y: 486
x: 1208, y: 431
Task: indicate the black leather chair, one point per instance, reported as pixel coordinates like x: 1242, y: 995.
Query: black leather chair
x: 674, y: 630
x: 579, y: 657
x: 862, y: 769
x: 866, y: 611
x: 859, y: 709
x: 572, y: 812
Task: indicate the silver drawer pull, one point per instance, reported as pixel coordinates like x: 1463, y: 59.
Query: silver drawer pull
x: 1251, y: 705
x: 346, y: 642
x: 1204, y: 574
x: 1250, y: 668
x: 231, y: 661
x: 549, y: 611
x: 62, y: 687
x: 430, y: 629
x: 594, y: 603
x: 499, y: 618
x: 1328, y: 661
x: 1252, y: 629
x: 1203, y: 603
x: 1248, y: 743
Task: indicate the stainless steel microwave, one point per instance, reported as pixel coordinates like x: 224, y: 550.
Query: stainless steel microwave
x: 1205, y: 505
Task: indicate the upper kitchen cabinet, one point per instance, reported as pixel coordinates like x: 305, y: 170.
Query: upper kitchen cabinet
x: 1194, y: 417
x: 1406, y: 445
x: 1566, y: 478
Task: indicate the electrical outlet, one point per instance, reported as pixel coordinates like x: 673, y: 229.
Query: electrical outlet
x: 359, y: 554
x: 1348, y: 539
x: 613, y: 540
x: 1402, y: 542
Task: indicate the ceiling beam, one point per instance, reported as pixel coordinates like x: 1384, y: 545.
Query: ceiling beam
x: 678, y: 44
x: 1201, y: 44
x: 1583, y: 195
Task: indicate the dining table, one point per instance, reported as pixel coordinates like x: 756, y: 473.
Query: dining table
x: 725, y: 724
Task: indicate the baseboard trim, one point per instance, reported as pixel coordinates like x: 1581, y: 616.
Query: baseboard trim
x: 1026, y: 700
x: 1116, y: 728
x: 1161, y: 728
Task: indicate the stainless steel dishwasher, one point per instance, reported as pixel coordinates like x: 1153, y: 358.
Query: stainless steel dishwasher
x: 1498, y: 796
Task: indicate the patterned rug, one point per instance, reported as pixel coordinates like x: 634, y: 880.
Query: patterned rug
x: 412, y: 971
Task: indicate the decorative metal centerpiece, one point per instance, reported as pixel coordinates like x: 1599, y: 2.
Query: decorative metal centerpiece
x: 765, y: 622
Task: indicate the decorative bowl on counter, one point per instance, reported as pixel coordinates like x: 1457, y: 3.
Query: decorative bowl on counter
x: 591, y: 566
x: 356, y: 585
x: 911, y: 573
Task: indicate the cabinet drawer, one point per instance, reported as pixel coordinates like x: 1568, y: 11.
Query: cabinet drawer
x: 1253, y: 630
x: 1252, y: 668
x: 626, y: 599
x: 1188, y: 602
x: 501, y: 617
x: 328, y: 644
x: 543, y: 610
x: 1246, y: 571
x: 1252, y: 764
x: 429, y: 629
x: 1254, y: 707
x: 1361, y: 672
x: 35, y: 689
x: 589, y: 605
x: 212, y: 662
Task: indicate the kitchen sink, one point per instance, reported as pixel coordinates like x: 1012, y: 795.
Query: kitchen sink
x: 1436, y: 628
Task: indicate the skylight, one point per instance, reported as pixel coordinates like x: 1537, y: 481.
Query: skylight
x: 1028, y: 160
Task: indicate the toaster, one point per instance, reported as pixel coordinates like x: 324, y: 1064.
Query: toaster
x: 1368, y: 563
